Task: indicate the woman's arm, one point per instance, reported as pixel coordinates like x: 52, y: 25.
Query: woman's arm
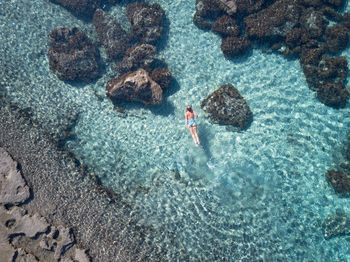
x: 195, y: 114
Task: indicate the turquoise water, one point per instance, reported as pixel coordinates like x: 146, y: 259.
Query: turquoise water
x: 253, y: 195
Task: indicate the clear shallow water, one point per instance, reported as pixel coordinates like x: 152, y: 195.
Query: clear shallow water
x: 257, y: 194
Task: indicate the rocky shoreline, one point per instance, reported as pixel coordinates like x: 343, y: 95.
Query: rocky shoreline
x: 68, y: 205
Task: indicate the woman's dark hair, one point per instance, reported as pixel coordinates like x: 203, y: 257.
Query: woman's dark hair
x: 189, y: 108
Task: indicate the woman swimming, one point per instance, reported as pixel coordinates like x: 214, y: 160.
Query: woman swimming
x: 191, y: 124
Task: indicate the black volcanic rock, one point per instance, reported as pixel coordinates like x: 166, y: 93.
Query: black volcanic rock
x: 72, y: 56
x: 226, y: 106
x: 112, y: 36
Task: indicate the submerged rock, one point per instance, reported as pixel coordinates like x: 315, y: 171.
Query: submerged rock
x: 13, y: 188
x: 277, y: 20
x: 234, y: 46
x: 226, y: 26
x: 72, y: 55
x: 226, y: 106
x: 137, y: 56
x: 336, y: 225
x: 336, y: 38
x: 162, y: 76
x: 146, y: 21
x: 333, y: 94
x: 81, y: 8
x: 340, y: 181
x: 135, y: 86
x: 112, y: 36
x: 313, y: 24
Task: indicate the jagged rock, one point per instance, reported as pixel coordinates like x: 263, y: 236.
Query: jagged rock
x: 135, y: 86
x: 234, y: 46
x: 81, y: 8
x: 311, y: 53
x: 346, y: 20
x: 339, y: 180
x: 313, y: 3
x: 336, y: 225
x: 72, y: 55
x: 112, y: 36
x: 226, y: 26
x: 7, y: 252
x: 336, y: 38
x: 226, y: 106
x: 332, y: 14
x: 333, y: 94
x: 162, y: 76
x: 137, y: 56
x: 293, y: 38
x: 66, y: 241
x: 18, y: 222
x: 13, y: 188
x: 209, y: 9
x: 275, y: 21
x: 230, y: 6
x: 146, y: 21
x: 249, y: 6
x: 81, y: 255
x: 333, y: 69
x: 313, y: 24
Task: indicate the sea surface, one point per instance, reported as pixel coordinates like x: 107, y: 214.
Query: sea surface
x: 254, y: 195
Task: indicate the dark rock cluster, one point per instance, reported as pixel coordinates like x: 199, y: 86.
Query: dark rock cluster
x: 226, y: 106
x: 297, y: 28
x: 73, y: 56
x: 340, y: 178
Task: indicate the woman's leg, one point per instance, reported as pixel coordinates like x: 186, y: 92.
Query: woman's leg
x: 192, y: 134
x: 195, y: 133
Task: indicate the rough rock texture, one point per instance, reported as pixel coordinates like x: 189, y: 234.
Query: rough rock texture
x: 72, y: 55
x: 336, y: 38
x: 63, y: 194
x: 112, y: 36
x: 81, y: 8
x: 137, y: 56
x: 162, y: 76
x: 67, y: 241
x: 13, y: 188
x: 313, y: 24
x: 146, y: 21
x: 340, y: 181
x: 226, y: 106
x: 135, y: 86
x: 333, y: 94
x: 234, y: 46
x: 277, y: 20
x: 226, y: 26
x: 336, y: 225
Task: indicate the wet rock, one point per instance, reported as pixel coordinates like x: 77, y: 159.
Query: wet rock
x: 292, y: 39
x: 13, y: 188
x: 226, y: 26
x: 313, y: 24
x: 333, y: 94
x: 346, y: 20
x: 336, y: 38
x: 112, y: 36
x: 235, y: 46
x: 333, y: 69
x: 340, y: 181
x: 332, y: 14
x: 209, y: 9
x: 66, y: 241
x: 313, y: 3
x: 311, y: 54
x: 137, y: 56
x: 146, y: 21
x: 275, y: 21
x: 248, y: 6
x: 81, y: 8
x: 162, y: 76
x: 336, y: 225
x: 18, y: 222
x: 201, y: 22
x: 135, y: 86
x: 226, y: 106
x: 72, y: 55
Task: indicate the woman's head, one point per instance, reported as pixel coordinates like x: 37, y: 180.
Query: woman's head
x: 189, y: 108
